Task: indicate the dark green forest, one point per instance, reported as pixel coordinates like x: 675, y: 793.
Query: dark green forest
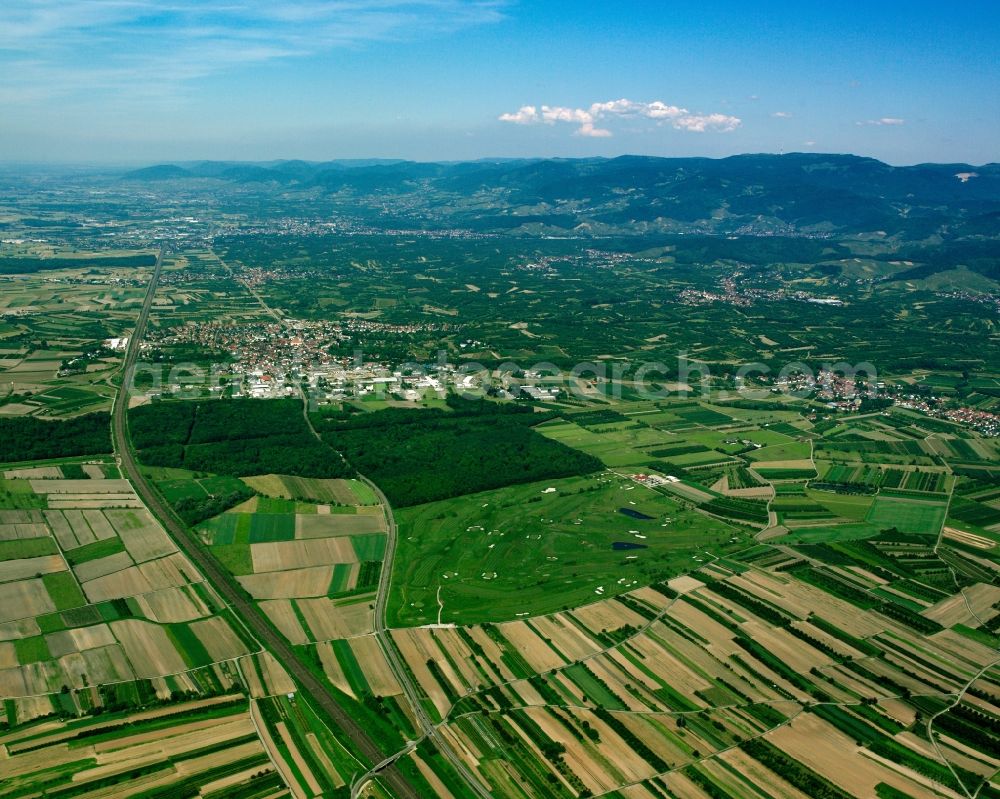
x: 238, y: 437
x: 28, y: 439
x: 419, y: 456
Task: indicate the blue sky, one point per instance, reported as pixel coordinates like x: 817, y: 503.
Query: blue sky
x: 154, y: 80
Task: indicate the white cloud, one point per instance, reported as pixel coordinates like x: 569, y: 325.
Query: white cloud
x: 586, y: 118
x: 883, y: 121
x: 588, y: 129
x: 164, y: 44
x: 699, y: 123
x: 525, y: 115
x: 782, y: 114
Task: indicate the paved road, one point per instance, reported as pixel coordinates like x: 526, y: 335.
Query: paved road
x: 395, y: 661
x: 222, y: 581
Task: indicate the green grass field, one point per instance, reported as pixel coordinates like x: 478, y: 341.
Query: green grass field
x: 851, y: 506
x: 27, y: 548
x: 369, y: 547
x: 31, y: 650
x: 63, y: 589
x: 271, y: 527
x: 518, y: 550
x: 907, y: 515
x: 830, y: 534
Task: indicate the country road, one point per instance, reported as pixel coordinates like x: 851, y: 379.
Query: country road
x: 398, y: 668
x: 221, y: 580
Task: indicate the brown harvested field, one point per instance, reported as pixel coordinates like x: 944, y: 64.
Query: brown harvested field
x: 415, y: 653
x: 93, y: 569
x: 298, y: 760
x: 592, y: 771
x: 148, y: 648
x: 377, y: 672
x: 685, y: 584
x: 971, y: 539
x: 451, y: 642
x: 328, y: 619
x: 21, y: 628
x: 608, y: 615
x: 141, y: 534
x: 786, y: 647
x: 17, y: 532
x: 626, y: 671
x: 336, y: 524
x: 755, y: 773
x: 61, y: 529
x: 84, y: 486
x: 333, y: 669
x: 24, y: 598
x: 495, y: 668
x: 613, y: 749
x: 8, y: 656
x: 172, y: 605
x: 69, y: 501
x: 539, y: 655
x: 663, y: 736
x: 290, y: 487
x: 93, y: 471
x: 976, y: 600
x: 527, y: 693
x: 440, y: 789
x: 637, y: 792
x: 688, y: 492
x: 276, y: 679
x: 219, y: 638
x: 99, y: 524
x: 81, y: 530
x: 833, y: 755
x: 79, y: 639
x: 287, y: 775
x: 222, y: 786
x: 12, y: 684
x: 14, y: 516
x: 651, y: 597
x: 566, y: 637
x: 22, y: 568
x: 682, y: 679
x: 313, y: 581
x: 283, y: 616
x: 154, y: 575
x: 955, y: 648
x: 757, y: 492
x: 687, y: 614
x: 34, y: 473
x: 284, y: 555
x: 269, y: 484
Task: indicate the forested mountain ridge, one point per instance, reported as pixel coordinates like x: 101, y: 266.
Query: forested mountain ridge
x: 795, y: 193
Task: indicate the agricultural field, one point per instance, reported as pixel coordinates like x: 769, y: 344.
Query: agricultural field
x: 592, y: 591
x: 95, y: 592
x: 55, y: 357
x: 121, y: 670
x: 313, y: 567
x: 675, y: 685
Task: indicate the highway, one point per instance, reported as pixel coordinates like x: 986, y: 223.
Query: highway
x: 223, y: 582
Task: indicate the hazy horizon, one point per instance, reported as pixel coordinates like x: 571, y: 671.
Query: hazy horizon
x: 130, y: 165
x: 129, y: 83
